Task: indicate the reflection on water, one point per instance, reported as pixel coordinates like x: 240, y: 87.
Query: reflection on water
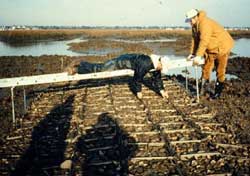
x: 143, y: 41
x: 242, y: 47
x: 38, y: 49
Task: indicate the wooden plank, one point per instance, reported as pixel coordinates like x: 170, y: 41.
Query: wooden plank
x: 144, y: 133
x: 14, y: 138
x: 134, y: 160
x: 151, y: 158
x: 225, y: 174
x: 101, y: 163
x: 163, y: 110
x: 209, y: 123
x: 60, y: 77
x: 240, y: 146
x: 110, y: 137
x: 210, y: 116
x: 185, y: 141
x: 187, y: 156
x: 155, y: 144
x: 179, y: 130
x: 172, y: 123
x: 159, y: 144
x: 215, y: 133
x: 165, y: 131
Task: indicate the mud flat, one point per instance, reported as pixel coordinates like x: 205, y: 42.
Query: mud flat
x: 30, y: 36
x: 233, y: 107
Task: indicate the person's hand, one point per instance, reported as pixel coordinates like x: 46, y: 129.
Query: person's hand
x: 73, y: 67
x: 71, y: 70
x: 197, y: 60
x: 190, y: 57
x: 164, y: 94
x: 139, y: 95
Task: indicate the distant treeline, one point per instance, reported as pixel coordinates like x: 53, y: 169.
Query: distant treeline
x: 93, y: 27
x: 110, y: 27
x: 18, y: 36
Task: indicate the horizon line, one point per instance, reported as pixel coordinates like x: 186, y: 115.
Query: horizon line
x: 114, y: 26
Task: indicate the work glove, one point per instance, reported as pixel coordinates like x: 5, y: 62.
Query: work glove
x: 190, y: 57
x: 197, y: 60
x: 164, y: 94
x: 139, y: 95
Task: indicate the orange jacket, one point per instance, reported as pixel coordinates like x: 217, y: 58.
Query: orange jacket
x: 209, y: 37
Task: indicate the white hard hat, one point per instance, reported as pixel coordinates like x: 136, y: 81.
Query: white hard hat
x: 165, y: 64
x: 155, y: 59
x: 190, y: 14
x: 164, y: 61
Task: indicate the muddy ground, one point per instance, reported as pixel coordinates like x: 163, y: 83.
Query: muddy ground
x: 232, y: 109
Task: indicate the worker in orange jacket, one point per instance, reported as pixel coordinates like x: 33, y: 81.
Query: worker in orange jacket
x: 211, y: 41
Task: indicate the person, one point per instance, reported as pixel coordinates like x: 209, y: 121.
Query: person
x: 140, y: 63
x: 211, y: 41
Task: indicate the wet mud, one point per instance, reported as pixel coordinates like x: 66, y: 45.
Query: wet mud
x: 233, y: 106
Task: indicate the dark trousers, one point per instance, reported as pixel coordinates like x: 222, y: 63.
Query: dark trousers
x: 140, y: 63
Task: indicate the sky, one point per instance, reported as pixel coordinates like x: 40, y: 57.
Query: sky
x: 120, y: 12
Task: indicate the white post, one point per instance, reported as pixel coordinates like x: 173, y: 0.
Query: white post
x: 197, y: 83
x: 62, y: 59
x: 186, y: 79
x: 13, y: 105
x: 24, y: 100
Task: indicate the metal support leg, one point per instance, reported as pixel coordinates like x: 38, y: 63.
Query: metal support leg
x: 24, y: 101
x: 62, y: 60
x: 186, y: 79
x: 197, y: 84
x: 13, y: 106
